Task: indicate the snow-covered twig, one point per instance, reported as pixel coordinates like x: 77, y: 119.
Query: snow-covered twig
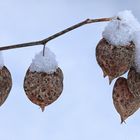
x: 44, y: 41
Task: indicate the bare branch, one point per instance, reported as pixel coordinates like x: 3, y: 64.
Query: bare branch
x: 44, y: 41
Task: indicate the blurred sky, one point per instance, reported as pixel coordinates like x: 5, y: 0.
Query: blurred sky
x: 85, y: 109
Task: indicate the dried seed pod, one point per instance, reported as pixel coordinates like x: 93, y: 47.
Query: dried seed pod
x: 114, y: 60
x: 43, y: 88
x: 5, y: 84
x: 124, y: 101
x: 133, y: 80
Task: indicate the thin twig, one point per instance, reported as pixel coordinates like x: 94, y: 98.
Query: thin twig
x: 44, y: 41
x: 44, y: 49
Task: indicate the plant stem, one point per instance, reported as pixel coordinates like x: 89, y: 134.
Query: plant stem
x: 44, y: 41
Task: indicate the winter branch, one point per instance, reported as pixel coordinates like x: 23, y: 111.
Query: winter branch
x: 44, y: 41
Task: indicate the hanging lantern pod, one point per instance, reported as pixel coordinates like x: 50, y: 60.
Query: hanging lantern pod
x: 5, y: 84
x: 114, y: 60
x: 124, y: 101
x: 42, y: 88
x: 43, y: 83
x: 133, y: 80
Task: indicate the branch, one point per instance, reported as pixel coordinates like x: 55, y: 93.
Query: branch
x: 44, y: 41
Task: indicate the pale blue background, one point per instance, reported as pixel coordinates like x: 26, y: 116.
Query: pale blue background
x: 85, y: 110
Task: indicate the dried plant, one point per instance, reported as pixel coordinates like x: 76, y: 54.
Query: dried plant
x: 124, y: 101
x: 114, y: 60
x: 42, y: 88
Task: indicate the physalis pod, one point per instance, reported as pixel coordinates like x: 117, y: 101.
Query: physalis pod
x: 43, y: 82
x: 124, y: 101
x: 114, y: 60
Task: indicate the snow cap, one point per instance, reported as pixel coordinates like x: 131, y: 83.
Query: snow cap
x: 1, y: 61
x: 136, y: 40
x: 120, y: 29
x: 46, y: 63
